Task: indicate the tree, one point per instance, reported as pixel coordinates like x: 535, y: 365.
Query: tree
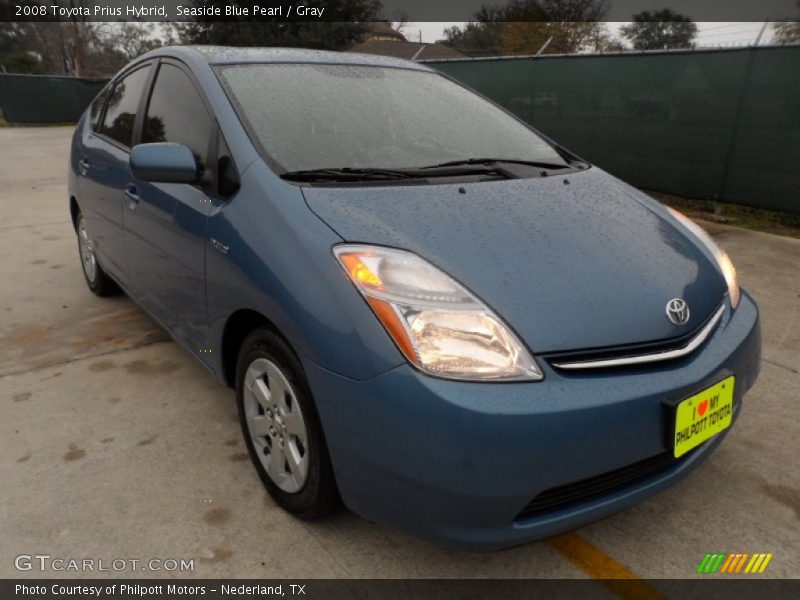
x: 356, y: 16
x: 21, y: 62
x: 104, y: 56
x: 133, y: 39
x: 482, y: 37
x: 14, y: 58
x: 61, y: 47
x: 399, y: 21
x: 787, y: 32
x: 73, y: 47
x: 660, y: 30
x: 526, y: 26
x: 565, y: 26
x: 602, y: 41
x: 476, y: 38
x: 45, y: 42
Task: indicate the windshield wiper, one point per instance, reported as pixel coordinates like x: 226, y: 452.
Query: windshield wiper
x: 495, y: 161
x: 345, y: 174
x: 380, y: 174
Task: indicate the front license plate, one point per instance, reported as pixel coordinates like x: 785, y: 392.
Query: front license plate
x: 703, y: 416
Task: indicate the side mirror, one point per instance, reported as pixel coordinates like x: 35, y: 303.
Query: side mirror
x: 164, y: 163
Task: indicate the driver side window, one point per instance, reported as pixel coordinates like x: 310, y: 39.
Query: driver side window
x: 176, y: 113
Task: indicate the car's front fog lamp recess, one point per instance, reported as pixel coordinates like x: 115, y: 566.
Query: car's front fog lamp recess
x: 440, y: 327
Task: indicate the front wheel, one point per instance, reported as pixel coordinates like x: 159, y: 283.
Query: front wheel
x: 281, y: 427
x: 96, y: 278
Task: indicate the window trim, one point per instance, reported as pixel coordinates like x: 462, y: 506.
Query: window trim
x: 211, y: 142
x: 108, y: 87
x: 136, y: 122
x: 211, y: 185
x: 219, y: 142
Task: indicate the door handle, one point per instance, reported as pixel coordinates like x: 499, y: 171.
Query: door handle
x: 83, y: 166
x: 133, y: 197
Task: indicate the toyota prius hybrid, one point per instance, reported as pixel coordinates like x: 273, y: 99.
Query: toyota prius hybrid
x: 430, y: 312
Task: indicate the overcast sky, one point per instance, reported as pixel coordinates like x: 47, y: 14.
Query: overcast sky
x: 709, y: 34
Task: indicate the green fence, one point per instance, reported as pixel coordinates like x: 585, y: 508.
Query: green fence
x: 721, y: 124
x: 45, y: 99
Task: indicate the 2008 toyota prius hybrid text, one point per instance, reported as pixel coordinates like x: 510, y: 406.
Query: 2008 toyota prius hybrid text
x: 429, y: 311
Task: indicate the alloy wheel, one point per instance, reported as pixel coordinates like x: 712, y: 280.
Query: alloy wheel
x: 86, y: 248
x: 276, y: 425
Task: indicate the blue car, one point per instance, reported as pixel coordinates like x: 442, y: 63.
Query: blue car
x: 430, y: 312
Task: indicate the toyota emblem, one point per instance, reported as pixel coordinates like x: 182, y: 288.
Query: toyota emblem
x: 678, y: 311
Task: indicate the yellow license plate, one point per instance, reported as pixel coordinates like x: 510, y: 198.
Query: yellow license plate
x: 703, y: 416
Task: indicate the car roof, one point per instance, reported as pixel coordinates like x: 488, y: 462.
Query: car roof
x: 228, y: 55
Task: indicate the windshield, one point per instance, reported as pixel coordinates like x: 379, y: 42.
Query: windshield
x: 315, y: 116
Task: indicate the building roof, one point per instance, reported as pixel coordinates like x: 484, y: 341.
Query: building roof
x: 383, y: 30
x: 406, y: 50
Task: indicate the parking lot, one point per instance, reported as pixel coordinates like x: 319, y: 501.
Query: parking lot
x: 115, y: 443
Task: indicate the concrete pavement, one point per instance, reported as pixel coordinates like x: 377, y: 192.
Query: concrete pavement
x: 115, y: 443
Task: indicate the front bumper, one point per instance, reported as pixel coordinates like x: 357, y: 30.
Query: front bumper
x: 457, y: 462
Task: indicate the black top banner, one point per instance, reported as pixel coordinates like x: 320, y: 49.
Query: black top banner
x: 380, y: 10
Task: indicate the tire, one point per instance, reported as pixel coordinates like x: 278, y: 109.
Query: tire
x: 96, y: 278
x: 282, y: 432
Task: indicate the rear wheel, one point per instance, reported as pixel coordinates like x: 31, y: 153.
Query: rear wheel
x: 96, y: 278
x: 281, y: 427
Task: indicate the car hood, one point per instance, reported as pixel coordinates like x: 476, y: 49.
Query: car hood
x: 571, y: 262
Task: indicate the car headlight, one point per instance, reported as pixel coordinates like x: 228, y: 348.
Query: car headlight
x: 440, y: 327
x: 723, y: 260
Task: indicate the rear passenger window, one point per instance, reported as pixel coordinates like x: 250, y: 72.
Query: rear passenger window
x: 176, y: 113
x: 122, y: 105
x: 97, y: 107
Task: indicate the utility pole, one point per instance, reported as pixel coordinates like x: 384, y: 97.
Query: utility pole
x: 760, y: 33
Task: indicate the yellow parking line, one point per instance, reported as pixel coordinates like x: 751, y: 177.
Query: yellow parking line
x: 597, y: 564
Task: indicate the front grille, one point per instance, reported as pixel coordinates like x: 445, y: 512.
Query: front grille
x: 578, y: 359
x: 580, y: 491
x: 624, y: 350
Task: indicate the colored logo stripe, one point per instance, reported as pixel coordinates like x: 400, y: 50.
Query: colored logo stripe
x: 710, y: 563
x: 738, y: 563
x: 733, y: 563
x: 758, y: 563
x: 728, y: 563
x: 702, y: 567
